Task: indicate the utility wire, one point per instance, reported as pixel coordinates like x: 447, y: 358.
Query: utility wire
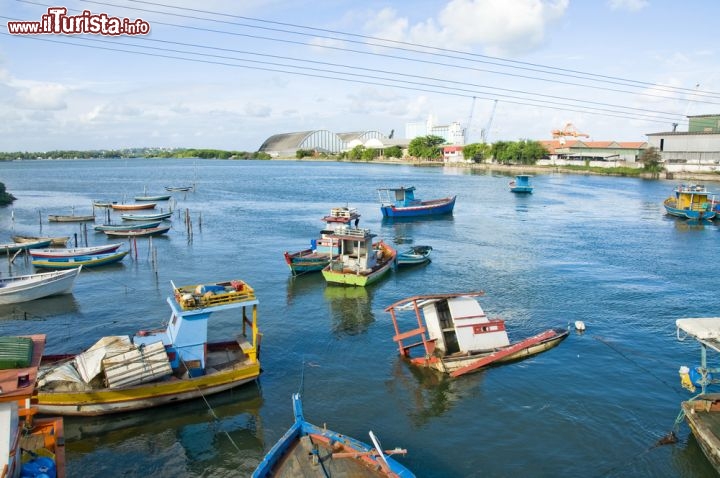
x: 592, y: 76
x: 426, y: 88
x: 553, y: 81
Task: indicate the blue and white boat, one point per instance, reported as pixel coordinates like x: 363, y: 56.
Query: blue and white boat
x: 127, y: 227
x: 521, y: 184
x: 414, y: 255
x: 401, y: 202
x: 306, y: 448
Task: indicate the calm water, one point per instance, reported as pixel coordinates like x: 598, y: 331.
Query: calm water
x: 596, y: 249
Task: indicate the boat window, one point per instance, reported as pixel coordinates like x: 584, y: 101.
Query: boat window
x: 444, y: 316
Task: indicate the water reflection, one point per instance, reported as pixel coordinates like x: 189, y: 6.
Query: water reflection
x: 691, y: 224
x: 40, y: 308
x: 405, y: 230
x: 430, y: 392
x: 350, y: 309
x: 173, y: 440
x: 303, y: 284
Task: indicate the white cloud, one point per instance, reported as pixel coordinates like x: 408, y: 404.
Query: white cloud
x: 629, y: 5
x: 43, y: 96
x: 257, y: 110
x: 499, y: 26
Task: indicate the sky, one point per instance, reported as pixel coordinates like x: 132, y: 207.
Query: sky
x: 228, y: 74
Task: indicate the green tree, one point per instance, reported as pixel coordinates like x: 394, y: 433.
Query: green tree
x: 426, y: 147
x: 651, y: 160
x: 369, y: 154
x: 356, y: 153
x: 5, y: 197
x: 476, y: 152
x: 393, y: 152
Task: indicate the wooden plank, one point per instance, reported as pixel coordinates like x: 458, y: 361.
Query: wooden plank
x: 488, y: 359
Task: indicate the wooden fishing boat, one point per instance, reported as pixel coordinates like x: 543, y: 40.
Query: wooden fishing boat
x: 690, y: 201
x: 12, y: 247
x: 24, y: 288
x: 309, y: 450
x: 75, y: 251
x: 150, y: 231
x: 179, y: 188
x: 94, y: 260
x: 105, y: 204
x: 146, y: 217
x: 60, y: 241
x: 318, y: 255
x: 161, y: 197
x: 414, y: 255
x: 29, y: 445
x: 453, y: 335
x: 702, y: 411
x: 359, y: 261
x: 401, y: 202
x: 160, y: 366
x: 127, y: 227
x: 133, y: 207
x: 521, y: 184
x: 70, y: 218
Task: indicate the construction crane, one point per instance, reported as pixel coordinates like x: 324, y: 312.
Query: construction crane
x: 484, y: 133
x: 568, y: 130
x: 466, y: 133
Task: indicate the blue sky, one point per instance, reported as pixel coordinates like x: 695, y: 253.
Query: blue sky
x: 244, y: 70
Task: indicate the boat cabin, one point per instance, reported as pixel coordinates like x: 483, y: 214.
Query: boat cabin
x: 398, y: 197
x: 186, y: 335
x: 692, y: 197
x: 355, y: 250
x: 448, y: 324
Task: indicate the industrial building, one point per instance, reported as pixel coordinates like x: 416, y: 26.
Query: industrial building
x: 324, y: 141
x: 696, y: 150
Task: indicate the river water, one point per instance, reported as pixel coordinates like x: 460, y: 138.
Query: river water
x: 591, y: 248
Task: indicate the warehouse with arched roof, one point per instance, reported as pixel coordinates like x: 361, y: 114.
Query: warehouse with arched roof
x: 286, y: 144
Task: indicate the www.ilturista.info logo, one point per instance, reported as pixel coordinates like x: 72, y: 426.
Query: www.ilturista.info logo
x: 57, y: 21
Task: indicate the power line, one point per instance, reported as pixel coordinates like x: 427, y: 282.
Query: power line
x: 427, y: 88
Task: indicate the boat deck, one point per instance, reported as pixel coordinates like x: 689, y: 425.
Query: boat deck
x: 302, y: 460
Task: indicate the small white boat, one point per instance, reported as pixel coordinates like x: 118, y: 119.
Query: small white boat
x: 146, y: 217
x: 55, y: 241
x: 14, y: 290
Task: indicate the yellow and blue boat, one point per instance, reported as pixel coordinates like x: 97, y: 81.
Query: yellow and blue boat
x: 691, y: 201
x: 162, y: 366
x: 71, y: 262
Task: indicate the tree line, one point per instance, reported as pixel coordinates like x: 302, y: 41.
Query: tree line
x: 134, y: 153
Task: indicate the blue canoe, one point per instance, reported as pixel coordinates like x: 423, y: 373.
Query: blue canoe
x: 401, y: 202
x: 306, y: 448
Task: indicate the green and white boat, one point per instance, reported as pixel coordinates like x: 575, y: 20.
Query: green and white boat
x: 360, y: 261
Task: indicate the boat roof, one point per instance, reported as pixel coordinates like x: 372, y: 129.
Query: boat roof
x: 352, y: 233
x: 704, y: 329
x: 401, y: 188
x: 201, y: 304
x: 10, y: 383
x: 423, y: 300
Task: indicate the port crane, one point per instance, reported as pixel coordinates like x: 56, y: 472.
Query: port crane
x: 485, y: 132
x: 568, y: 130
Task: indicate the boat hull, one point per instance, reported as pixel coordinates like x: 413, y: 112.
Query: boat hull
x: 151, y: 231
x: 75, y: 252
x: 153, y: 394
x: 56, y: 218
x: 133, y: 207
x: 49, y: 284
x: 306, y: 261
x: 85, y: 261
x: 54, y: 241
x: 425, y: 208
x: 702, y: 417
x: 450, y: 365
x: 708, y: 214
x: 337, y: 454
x: 347, y: 276
x: 23, y: 246
x: 521, y: 189
x: 127, y: 227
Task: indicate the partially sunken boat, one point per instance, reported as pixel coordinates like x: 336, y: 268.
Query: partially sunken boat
x: 158, y: 367
x: 453, y: 335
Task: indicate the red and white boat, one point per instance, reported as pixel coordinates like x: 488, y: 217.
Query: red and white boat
x: 452, y: 334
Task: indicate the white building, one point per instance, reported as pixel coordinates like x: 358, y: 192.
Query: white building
x: 697, y: 150
x: 452, y: 133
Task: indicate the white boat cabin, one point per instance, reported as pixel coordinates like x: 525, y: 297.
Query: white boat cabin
x: 459, y: 324
x: 355, y: 251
